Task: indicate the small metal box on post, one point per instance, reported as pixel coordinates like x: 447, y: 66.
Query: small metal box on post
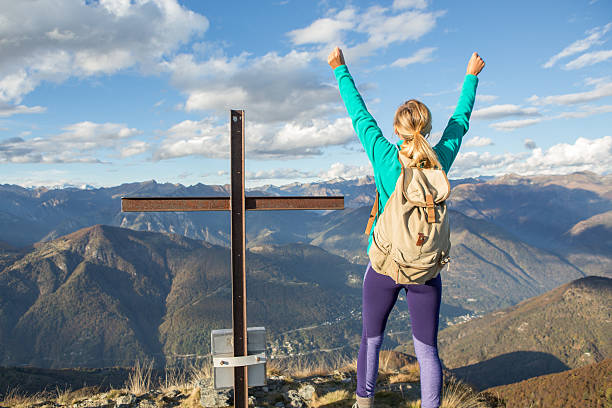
x: 222, y: 350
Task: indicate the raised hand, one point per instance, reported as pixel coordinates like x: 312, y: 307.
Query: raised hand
x: 475, y: 65
x: 335, y: 58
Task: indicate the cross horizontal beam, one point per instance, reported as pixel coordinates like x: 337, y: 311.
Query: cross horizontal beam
x: 143, y: 204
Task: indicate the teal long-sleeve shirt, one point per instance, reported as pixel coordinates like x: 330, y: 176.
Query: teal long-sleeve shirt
x: 382, y: 153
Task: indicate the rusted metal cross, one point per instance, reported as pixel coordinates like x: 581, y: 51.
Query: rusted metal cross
x: 237, y: 203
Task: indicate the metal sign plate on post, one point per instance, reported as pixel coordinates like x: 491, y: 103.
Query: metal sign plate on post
x: 222, y: 350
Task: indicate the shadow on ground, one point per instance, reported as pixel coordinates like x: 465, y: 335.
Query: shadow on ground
x: 509, y: 368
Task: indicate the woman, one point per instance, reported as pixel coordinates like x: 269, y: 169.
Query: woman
x: 412, y: 124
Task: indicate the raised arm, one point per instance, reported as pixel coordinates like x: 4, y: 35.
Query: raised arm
x: 458, y: 125
x: 379, y: 150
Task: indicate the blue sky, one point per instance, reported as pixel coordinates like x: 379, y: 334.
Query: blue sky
x: 113, y: 91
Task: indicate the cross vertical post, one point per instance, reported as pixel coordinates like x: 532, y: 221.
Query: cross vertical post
x: 238, y: 204
x: 239, y: 321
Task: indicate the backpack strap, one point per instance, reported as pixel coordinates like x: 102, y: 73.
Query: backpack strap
x: 373, y: 214
x: 431, y: 213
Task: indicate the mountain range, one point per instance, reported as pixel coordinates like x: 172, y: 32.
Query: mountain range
x: 106, y: 296
x: 84, y: 285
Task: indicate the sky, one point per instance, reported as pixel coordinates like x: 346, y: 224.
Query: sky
x: 104, y: 92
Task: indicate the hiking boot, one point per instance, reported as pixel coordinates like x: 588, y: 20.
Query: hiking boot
x: 364, y: 402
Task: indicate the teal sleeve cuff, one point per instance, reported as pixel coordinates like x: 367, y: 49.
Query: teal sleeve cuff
x: 340, y: 70
x: 469, y: 80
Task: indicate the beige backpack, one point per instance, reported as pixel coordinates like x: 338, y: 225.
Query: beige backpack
x: 411, y: 239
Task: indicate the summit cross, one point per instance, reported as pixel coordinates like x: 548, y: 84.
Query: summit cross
x: 237, y: 203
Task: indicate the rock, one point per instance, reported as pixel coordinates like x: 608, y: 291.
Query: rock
x: 210, y: 397
x: 97, y: 401
x: 125, y: 401
x: 295, y: 400
x: 306, y: 392
x: 146, y: 404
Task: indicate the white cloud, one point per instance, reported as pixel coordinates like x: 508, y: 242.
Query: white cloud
x: 486, y: 98
x: 589, y: 59
x: 53, y: 40
x: 601, y: 90
x: 50, y: 178
x: 478, y: 141
x: 583, y: 112
x: 421, y: 56
x: 289, y: 106
x: 434, y: 137
x: 272, y: 88
x: 583, y: 155
x: 584, y: 44
x: 382, y: 27
x: 510, y: 125
x: 586, y: 111
x: 500, y: 111
x: 323, y: 31
x: 10, y: 110
x: 134, y: 148
x: 346, y: 171
x: 191, y: 137
x: 336, y: 170
x: 299, y: 140
x: 406, y: 4
x: 75, y: 145
x: 278, y: 174
x: 263, y: 141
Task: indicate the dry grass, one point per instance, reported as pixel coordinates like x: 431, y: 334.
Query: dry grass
x: 139, y: 381
x: 16, y: 399
x: 456, y: 394
x: 301, y: 368
x: 390, y: 361
x: 332, y: 397
x: 402, y: 378
x: 408, y: 373
x: 193, y: 400
x: 384, y: 361
x: 175, y: 379
x: 273, y: 367
x: 63, y: 396
x: 202, y: 372
x: 68, y: 397
x: 114, y: 393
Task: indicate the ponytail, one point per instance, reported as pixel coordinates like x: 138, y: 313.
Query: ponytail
x: 412, y: 123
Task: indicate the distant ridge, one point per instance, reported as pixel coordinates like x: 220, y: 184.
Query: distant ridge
x: 589, y: 386
x: 105, y: 296
x: 567, y: 327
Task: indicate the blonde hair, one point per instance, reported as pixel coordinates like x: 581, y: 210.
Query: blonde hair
x: 412, y: 122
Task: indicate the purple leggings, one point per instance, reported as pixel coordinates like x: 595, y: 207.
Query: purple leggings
x: 379, y: 296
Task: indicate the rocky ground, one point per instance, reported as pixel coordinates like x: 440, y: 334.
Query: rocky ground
x: 398, y: 386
